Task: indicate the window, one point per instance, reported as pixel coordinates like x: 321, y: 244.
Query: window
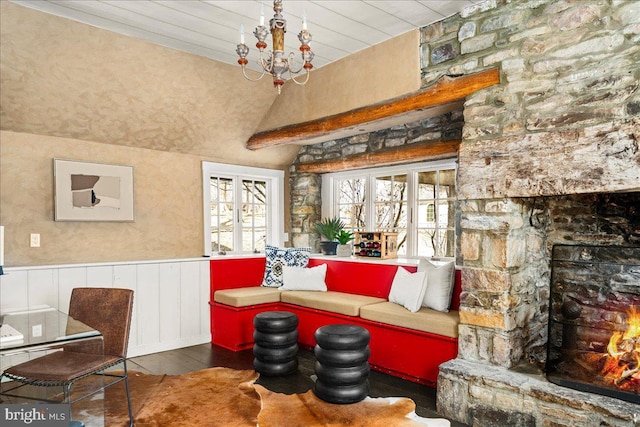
x: 242, y: 208
x: 435, y: 220
x: 416, y: 201
x: 391, y: 207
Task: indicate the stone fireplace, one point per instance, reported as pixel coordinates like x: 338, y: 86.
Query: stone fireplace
x: 550, y: 156
x: 499, y: 375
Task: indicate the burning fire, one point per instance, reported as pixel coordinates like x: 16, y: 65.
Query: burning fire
x: 622, y: 360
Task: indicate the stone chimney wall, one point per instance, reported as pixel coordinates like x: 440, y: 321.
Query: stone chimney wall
x: 564, y: 120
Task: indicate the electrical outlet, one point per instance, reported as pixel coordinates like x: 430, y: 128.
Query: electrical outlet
x: 36, y: 330
x: 35, y: 240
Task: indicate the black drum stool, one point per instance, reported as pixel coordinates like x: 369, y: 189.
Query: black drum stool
x: 275, y: 348
x: 342, y: 365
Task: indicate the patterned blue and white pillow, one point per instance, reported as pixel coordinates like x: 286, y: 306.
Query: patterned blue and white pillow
x: 277, y: 258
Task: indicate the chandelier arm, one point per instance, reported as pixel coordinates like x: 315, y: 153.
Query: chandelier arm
x: 292, y: 61
x: 244, y: 73
x: 306, y: 79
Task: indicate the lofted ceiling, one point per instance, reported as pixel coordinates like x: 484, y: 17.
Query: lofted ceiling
x: 211, y: 28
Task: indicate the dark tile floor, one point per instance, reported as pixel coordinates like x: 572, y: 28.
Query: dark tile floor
x: 189, y: 359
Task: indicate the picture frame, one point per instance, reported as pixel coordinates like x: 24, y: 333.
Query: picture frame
x: 86, y: 191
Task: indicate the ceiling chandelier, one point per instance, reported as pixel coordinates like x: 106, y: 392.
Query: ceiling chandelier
x: 277, y: 64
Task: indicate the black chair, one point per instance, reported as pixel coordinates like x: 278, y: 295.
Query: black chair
x: 107, y: 310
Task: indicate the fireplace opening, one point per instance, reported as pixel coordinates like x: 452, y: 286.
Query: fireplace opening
x: 594, y: 320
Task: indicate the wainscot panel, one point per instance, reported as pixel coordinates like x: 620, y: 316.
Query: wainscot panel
x: 170, y: 297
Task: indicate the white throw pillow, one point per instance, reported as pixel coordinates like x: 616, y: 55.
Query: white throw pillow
x: 440, y: 280
x: 408, y: 289
x: 304, y: 279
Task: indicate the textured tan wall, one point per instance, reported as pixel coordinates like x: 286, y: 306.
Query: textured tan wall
x: 384, y: 71
x: 168, y: 204
x: 63, y: 78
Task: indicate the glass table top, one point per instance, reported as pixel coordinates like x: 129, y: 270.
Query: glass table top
x: 41, y: 327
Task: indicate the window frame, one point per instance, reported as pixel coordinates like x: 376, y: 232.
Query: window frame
x: 275, y: 196
x: 329, y: 193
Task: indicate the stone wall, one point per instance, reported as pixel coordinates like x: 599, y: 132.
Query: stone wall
x: 562, y: 122
x: 565, y: 117
x: 306, y: 203
x: 503, y: 316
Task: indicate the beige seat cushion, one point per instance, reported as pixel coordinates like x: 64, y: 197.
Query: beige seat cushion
x: 335, y: 302
x: 426, y: 319
x: 242, y: 297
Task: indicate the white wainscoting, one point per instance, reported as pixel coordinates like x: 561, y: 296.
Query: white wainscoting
x: 171, y: 297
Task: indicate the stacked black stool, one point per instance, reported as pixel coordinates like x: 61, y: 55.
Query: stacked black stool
x: 342, y: 366
x: 275, y: 348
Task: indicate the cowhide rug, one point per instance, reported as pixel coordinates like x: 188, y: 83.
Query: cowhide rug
x: 229, y: 397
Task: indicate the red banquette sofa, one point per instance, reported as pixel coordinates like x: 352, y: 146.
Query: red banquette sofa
x: 404, y: 344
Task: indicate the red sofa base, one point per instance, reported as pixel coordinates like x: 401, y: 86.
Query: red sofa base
x: 232, y: 327
x: 401, y: 352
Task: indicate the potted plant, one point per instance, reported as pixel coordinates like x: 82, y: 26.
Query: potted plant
x: 344, y: 247
x: 329, y: 228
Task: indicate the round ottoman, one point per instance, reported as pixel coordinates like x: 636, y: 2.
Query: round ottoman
x: 275, y: 348
x: 342, y: 366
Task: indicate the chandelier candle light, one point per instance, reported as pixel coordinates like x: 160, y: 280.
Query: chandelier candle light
x: 277, y: 64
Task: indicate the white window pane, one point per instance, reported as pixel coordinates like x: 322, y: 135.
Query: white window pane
x: 445, y: 192
x: 391, y: 188
x: 426, y: 214
x: 447, y: 178
x: 225, y: 189
x: 214, y: 210
x: 402, y: 242
x: 445, y: 243
x: 351, y: 191
x: 391, y: 216
x: 427, y: 242
x: 253, y: 238
x: 253, y: 215
x: 225, y: 215
x: 351, y: 207
x: 446, y: 214
x: 226, y: 239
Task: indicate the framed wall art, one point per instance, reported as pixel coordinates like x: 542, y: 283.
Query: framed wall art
x: 92, y: 191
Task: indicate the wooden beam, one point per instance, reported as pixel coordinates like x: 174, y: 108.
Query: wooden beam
x: 405, y: 154
x: 447, y: 94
